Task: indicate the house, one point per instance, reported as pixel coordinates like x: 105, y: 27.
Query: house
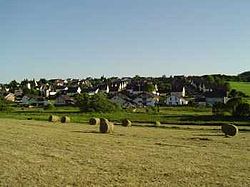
x: 59, y: 89
x: 136, y: 87
x: 44, y: 90
x: 203, y: 88
x: 146, y: 99
x: 18, y: 92
x: 218, y: 96
x: 52, y: 94
x: 25, y: 101
x: 57, y: 82
x: 123, y: 100
x: 34, y: 101
x: 174, y: 100
x: 71, y: 91
x: 92, y: 91
x: 104, y: 88
x: 141, y: 87
x: 10, y: 97
x: 117, y: 86
x: 200, y: 101
x: 178, y: 92
x: 64, y: 100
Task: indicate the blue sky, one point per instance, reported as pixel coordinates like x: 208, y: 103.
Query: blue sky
x: 81, y: 38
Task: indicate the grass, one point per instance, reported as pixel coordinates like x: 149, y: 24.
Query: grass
x: 243, y: 87
x: 37, y: 153
x: 167, y: 115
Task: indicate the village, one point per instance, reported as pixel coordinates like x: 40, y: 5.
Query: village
x: 126, y: 92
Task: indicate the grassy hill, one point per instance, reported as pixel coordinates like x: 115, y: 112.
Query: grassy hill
x: 243, y: 87
x: 38, y: 153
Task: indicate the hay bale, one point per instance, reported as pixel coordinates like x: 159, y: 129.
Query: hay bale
x: 94, y: 121
x: 126, y: 123
x: 65, y: 119
x: 229, y: 129
x: 111, y: 125
x: 53, y: 118
x: 106, y: 126
x: 157, y: 124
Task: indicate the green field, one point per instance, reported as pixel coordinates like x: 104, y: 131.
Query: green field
x: 166, y: 115
x: 243, y: 87
x: 37, y: 153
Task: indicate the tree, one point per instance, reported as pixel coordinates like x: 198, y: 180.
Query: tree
x: 164, y: 87
x: 232, y: 104
x: 219, y: 109
x: 233, y: 93
x: 43, y: 81
x: 83, y: 101
x: 96, y: 103
x: 3, y: 104
x: 150, y: 87
x: 31, y: 91
x: 245, y: 76
x: 210, y: 79
x: 242, y: 110
x: 13, y: 85
x: 227, y: 86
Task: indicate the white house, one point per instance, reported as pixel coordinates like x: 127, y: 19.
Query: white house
x: 34, y: 101
x: 71, y: 91
x: 146, y: 99
x: 216, y: 97
x: 179, y: 92
x: 103, y: 88
x: 93, y: 91
x: 174, y: 100
x: 64, y: 100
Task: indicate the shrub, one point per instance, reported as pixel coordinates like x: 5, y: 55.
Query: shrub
x: 152, y: 109
x: 232, y: 104
x: 96, y: 103
x: 49, y: 107
x: 242, y: 110
x: 219, y: 109
x: 3, y: 105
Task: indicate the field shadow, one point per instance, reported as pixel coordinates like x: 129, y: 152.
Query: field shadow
x: 200, y: 139
x: 87, y: 132
x: 214, y: 118
x: 170, y: 145
x: 210, y: 134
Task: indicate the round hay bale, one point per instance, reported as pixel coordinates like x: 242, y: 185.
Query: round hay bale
x: 106, y: 126
x: 229, y: 129
x: 126, y: 123
x: 53, y: 118
x: 157, y: 124
x: 65, y: 119
x: 94, y: 121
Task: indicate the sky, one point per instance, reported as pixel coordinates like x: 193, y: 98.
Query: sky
x: 82, y: 38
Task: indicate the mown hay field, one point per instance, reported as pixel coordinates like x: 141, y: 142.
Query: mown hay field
x: 39, y: 153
